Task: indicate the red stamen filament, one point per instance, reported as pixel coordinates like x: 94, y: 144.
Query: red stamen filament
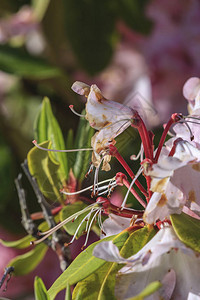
x: 146, y: 141
x: 174, y: 118
x: 135, y: 194
x: 114, y: 152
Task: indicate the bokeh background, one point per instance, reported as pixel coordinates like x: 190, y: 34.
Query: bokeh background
x: 136, y: 51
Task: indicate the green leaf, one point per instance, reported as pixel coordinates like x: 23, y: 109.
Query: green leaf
x: 47, y: 128
x: 68, y: 295
x: 90, y: 28
x: 45, y: 169
x: 101, y: 284
x: 90, y: 288
x: 17, y: 62
x: 84, y: 265
x: 133, y: 14
x: 25, y: 263
x: 40, y: 289
x: 39, y: 7
x: 149, y: 290
x: 25, y: 241
x: 83, y: 140
x: 70, y: 145
x: 137, y: 241
x: 69, y: 210
x: 19, y: 244
x: 187, y: 229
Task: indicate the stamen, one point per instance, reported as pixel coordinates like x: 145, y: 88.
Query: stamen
x: 192, y: 117
x: 79, y: 226
x: 61, y: 224
x: 53, y: 150
x: 79, y: 115
x: 87, y: 188
x: 89, y: 228
x: 100, y: 221
x: 89, y: 171
x: 198, y: 123
x: 122, y: 126
x: 132, y: 183
x: 109, y: 190
x: 135, y: 157
x: 112, y: 124
x: 188, y: 127
x: 95, y: 186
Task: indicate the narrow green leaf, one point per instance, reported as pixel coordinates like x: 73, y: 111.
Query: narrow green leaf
x: 83, y: 140
x: 150, y: 289
x: 70, y: 145
x: 25, y: 263
x: 20, y: 63
x: 19, y: 244
x: 45, y: 169
x: 103, y: 280
x: 47, y: 128
x: 187, y: 229
x: 84, y: 265
x: 40, y: 289
x: 25, y: 241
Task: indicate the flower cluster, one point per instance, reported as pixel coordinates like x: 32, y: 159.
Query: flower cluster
x: 165, y: 233
x: 172, y: 172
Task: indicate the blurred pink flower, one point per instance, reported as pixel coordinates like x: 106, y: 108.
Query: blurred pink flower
x: 17, y: 24
x: 171, y: 51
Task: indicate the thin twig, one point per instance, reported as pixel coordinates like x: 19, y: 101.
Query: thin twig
x: 8, y: 272
x: 41, y: 200
x: 27, y: 222
x: 58, y: 238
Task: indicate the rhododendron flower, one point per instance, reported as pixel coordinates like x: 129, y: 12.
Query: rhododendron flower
x: 109, y: 117
x: 163, y: 253
x: 101, y: 112
x: 175, y: 177
x: 171, y: 184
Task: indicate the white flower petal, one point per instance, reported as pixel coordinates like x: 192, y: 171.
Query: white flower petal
x: 101, y: 112
x: 167, y: 253
x: 109, y: 252
x: 114, y: 225
x: 161, y: 206
x: 81, y: 88
x: 191, y: 88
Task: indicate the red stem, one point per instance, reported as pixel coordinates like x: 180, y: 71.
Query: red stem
x: 125, y: 212
x: 39, y: 215
x: 174, y: 118
x: 144, y: 135
x: 114, y: 152
x: 135, y: 194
